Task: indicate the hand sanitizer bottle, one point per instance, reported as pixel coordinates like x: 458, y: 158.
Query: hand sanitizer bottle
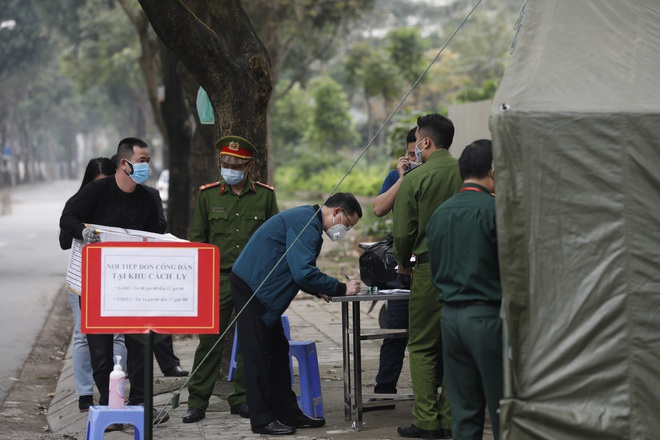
x: 117, y: 386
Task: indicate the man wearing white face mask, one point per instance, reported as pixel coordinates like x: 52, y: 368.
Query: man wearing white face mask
x: 421, y: 192
x: 277, y: 263
x: 227, y: 213
x: 118, y: 200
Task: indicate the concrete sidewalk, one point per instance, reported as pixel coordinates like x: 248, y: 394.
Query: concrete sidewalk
x: 311, y: 319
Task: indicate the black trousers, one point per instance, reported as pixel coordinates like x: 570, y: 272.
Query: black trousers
x: 101, y: 349
x: 164, y: 353
x: 393, y: 350
x: 266, y: 360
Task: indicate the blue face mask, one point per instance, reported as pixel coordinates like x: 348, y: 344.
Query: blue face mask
x: 140, y: 172
x: 232, y: 177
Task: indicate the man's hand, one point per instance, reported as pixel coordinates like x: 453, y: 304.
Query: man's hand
x: 352, y: 287
x: 90, y: 235
x: 402, y: 165
x: 404, y: 271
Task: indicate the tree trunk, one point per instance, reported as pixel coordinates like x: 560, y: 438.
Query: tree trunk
x: 223, y: 53
x: 179, y: 132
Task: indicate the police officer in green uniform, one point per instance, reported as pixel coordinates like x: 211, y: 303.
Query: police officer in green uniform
x: 226, y: 214
x: 422, y: 191
x: 464, y: 267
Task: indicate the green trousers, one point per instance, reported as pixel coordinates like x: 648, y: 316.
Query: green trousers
x: 472, y: 349
x: 208, y: 356
x: 425, y: 351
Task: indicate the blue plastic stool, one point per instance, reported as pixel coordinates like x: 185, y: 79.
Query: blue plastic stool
x: 234, y: 348
x: 100, y: 417
x: 311, y: 398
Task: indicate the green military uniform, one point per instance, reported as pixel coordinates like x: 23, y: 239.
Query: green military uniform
x: 464, y: 266
x: 226, y: 220
x: 422, y: 191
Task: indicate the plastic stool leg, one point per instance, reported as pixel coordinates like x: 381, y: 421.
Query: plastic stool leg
x: 234, y: 354
x: 311, y: 399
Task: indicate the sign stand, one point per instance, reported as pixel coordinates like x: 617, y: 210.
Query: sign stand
x: 148, y: 385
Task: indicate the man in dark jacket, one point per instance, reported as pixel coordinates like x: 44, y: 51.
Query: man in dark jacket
x: 278, y: 262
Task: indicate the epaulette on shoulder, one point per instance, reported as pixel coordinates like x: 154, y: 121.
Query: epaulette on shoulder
x: 265, y: 186
x: 209, y: 185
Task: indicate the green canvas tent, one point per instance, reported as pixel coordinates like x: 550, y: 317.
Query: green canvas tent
x: 576, y: 133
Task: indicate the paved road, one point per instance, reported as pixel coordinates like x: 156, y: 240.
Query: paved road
x: 31, y: 265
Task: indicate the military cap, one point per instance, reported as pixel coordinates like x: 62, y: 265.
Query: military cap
x: 236, y: 146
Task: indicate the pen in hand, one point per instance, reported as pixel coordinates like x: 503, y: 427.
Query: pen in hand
x: 356, y: 285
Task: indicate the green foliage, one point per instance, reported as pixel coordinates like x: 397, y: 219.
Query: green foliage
x: 298, y: 33
x: 406, y: 50
x: 370, y: 71
x: 331, y: 127
x: 364, y: 181
x: 23, y: 45
x: 289, y: 121
x: 470, y: 94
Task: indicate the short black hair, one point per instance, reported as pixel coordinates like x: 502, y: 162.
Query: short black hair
x: 346, y: 201
x: 438, y: 128
x: 125, y: 147
x: 411, y: 136
x: 476, y: 160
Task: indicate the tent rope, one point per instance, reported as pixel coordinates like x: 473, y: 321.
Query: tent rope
x: 517, y: 26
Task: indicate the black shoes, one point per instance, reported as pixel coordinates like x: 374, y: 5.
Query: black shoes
x: 84, y: 402
x: 274, y: 428
x: 193, y: 415
x: 158, y: 418
x: 377, y: 408
x: 445, y: 433
x: 412, y: 431
x: 305, y: 421
x: 241, y: 409
x: 175, y: 372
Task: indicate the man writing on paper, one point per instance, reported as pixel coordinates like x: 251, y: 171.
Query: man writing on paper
x: 120, y: 201
x: 287, y: 245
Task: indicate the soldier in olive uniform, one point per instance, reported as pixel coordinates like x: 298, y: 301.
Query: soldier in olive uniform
x: 226, y: 214
x: 465, y: 269
x: 422, y: 191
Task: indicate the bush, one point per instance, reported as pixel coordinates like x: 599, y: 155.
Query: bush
x: 362, y: 181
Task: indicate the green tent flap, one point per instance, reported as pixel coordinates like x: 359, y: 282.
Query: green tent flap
x: 576, y: 133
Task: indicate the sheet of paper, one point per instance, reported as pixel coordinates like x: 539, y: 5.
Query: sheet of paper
x: 149, y: 282
x: 106, y: 233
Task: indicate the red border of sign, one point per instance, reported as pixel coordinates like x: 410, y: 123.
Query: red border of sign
x: 207, y: 320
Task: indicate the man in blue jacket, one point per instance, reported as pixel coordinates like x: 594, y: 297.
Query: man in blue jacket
x: 278, y: 262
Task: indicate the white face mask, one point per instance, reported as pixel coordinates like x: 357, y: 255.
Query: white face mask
x: 418, y: 153
x: 337, y: 231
